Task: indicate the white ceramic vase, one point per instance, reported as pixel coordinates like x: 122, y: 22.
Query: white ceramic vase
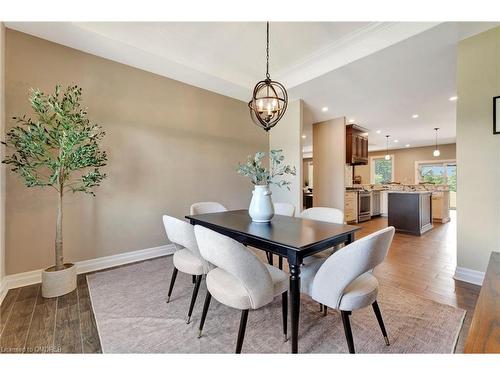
x: 261, y: 207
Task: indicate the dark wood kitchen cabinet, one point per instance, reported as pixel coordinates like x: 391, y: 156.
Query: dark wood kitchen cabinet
x: 356, y: 145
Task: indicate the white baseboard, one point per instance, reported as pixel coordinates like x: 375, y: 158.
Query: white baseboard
x: 469, y: 276
x: 34, y: 277
x: 3, y: 289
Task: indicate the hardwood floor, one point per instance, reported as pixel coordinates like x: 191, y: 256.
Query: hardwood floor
x: 422, y: 265
x: 30, y: 323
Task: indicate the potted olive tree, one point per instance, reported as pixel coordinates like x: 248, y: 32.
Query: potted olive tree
x: 58, y: 149
x: 261, y: 208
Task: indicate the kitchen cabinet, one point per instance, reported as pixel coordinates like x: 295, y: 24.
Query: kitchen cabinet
x: 384, y: 203
x: 441, y: 206
x: 375, y: 209
x: 410, y: 212
x: 351, y: 207
x: 356, y: 145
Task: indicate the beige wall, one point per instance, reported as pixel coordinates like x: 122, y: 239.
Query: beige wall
x: 169, y: 144
x: 404, y: 162
x: 478, y: 150
x: 287, y: 137
x: 2, y: 166
x: 329, y: 163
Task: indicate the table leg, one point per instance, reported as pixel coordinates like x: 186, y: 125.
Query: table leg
x: 350, y: 238
x: 295, y: 303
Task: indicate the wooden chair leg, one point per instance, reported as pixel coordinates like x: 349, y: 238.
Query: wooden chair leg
x: 284, y: 309
x: 325, y: 310
x: 347, y: 330
x: 280, y: 263
x: 378, y: 314
x: 208, y: 297
x: 193, y: 279
x: 241, y: 332
x: 172, y: 282
x: 320, y: 307
x: 193, y: 297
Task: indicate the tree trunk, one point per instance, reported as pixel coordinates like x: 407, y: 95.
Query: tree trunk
x: 59, y: 239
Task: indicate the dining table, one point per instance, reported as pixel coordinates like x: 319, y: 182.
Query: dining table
x: 293, y: 238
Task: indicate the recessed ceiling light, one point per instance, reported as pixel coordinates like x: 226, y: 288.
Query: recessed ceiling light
x: 414, y: 116
x: 396, y: 141
x: 407, y: 145
x: 453, y: 98
x: 351, y: 120
x: 324, y: 109
x: 378, y: 131
x: 303, y: 136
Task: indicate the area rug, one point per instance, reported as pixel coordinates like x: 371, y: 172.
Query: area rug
x: 132, y: 317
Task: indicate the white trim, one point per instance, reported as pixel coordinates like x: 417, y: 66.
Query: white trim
x: 3, y: 289
x: 34, y: 277
x: 469, y: 276
x: 372, y: 166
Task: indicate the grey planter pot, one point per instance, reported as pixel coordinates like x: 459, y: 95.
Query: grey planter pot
x: 58, y: 283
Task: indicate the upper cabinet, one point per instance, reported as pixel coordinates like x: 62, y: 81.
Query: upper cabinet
x: 356, y: 145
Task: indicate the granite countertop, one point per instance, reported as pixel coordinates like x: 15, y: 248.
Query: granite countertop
x: 411, y: 192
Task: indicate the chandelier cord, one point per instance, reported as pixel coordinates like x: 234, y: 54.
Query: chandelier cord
x: 267, y: 53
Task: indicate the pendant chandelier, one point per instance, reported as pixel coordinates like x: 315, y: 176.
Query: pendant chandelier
x: 436, y: 152
x: 387, y: 156
x: 269, y: 99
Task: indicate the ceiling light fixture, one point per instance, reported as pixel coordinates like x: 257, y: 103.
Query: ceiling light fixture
x: 324, y: 109
x: 269, y: 99
x: 396, y: 141
x: 378, y: 131
x: 436, y: 152
x: 414, y: 116
x: 453, y: 98
x: 387, y: 156
x: 303, y: 136
x: 351, y: 120
x: 407, y: 145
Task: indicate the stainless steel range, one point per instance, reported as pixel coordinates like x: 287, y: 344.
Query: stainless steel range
x: 364, y: 205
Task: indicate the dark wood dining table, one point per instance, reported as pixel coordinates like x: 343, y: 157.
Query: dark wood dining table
x: 290, y: 237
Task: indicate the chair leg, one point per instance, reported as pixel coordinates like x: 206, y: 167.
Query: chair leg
x: 208, y: 297
x: 378, y: 314
x: 269, y: 257
x: 193, y: 279
x: 241, y: 332
x: 284, y: 309
x: 172, y: 282
x: 325, y: 310
x: 193, y: 297
x: 280, y: 263
x: 347, y: 330
x: 320, y: 307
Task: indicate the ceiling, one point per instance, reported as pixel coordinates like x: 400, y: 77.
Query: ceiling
x: 384, y: 90
x: 379, y: 73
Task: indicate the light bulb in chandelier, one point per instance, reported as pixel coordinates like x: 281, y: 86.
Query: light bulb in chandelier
x: 387, y: 157
x: 436, y: 152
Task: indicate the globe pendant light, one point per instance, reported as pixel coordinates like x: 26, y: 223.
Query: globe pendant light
x: 436, y: 152
x: 387, y: 156
x: 269, y: 99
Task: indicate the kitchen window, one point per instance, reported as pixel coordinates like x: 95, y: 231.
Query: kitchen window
x: 381, y: 171
x: 443, y: 172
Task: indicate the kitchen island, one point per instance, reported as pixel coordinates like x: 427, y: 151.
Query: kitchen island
x: 410, y: 212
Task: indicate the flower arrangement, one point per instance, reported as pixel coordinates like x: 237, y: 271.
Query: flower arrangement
x: 260, y: 175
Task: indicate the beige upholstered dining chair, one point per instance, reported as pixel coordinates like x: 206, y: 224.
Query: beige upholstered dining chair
x: 206, y: 208
x: 187, y: 257
x: 344, y: 281
x: 331, y: 215
x: 285, y: 209
x: 241, y: 280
